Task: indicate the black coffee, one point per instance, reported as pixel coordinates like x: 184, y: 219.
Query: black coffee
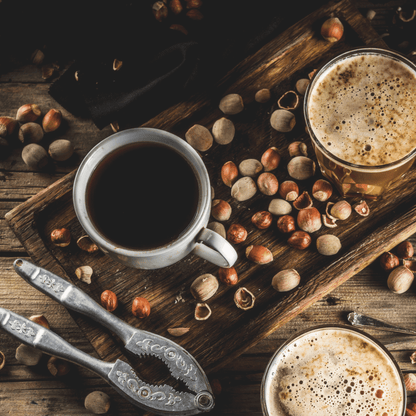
x: 142, y: 196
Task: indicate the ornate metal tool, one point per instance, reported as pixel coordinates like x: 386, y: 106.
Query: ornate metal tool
x: 163, y: 400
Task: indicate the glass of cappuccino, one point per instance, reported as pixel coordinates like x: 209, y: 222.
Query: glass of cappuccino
x: 360, y: 111
x: 333, y: 370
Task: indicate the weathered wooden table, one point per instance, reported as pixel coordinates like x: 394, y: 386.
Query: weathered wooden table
x: 32, y: 390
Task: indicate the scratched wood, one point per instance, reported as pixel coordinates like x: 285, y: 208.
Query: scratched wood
x: 230, y: 331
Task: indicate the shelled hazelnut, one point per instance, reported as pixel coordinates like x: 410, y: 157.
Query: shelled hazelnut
x: 109, y: 300
x: 228, y: 276
x: 97, y: 402
x: 140, y: 307
x: 405, y: 250
x: 300, y: 240
x: 262, y: 219
x: 61, y: 237
x: 286, y: 224
x: 221, y: 210
x: 236, y: 234
x: 389, y: 261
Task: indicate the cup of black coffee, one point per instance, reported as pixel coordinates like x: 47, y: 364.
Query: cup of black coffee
x: 143, y: 196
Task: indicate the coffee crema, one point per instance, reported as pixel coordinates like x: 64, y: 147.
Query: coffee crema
x: 363, y: 109
x: 333, y: 371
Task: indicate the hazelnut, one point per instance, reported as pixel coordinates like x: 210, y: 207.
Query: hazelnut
x: 140, y: 307
x: 194, y: 14
x: 7, y: 126
x: 35, y: 156
x: 202, y: 311
x: 27, y: 355
x: 259, y: 254
x: 229, y: 173
x: 199, y: 138
x: 52, y: 120
x: 244, y: 189
x: 328, y: 244
x: 405, y: 250
x: 283, y: 120
x: 221, y: 210
x: 236, y: 234
x: 228, y: 276
x: 204, y: 287
x: 329, y: 222
x: 286, y: 224
x: 109, y: 300
x: 85, y: 243
x: 288, y: 101
x: 322, y: 190
x: 223, y: 131
x: 341, y: 210
x: 84, y: 274
x: 178, y: 332
x: 267, y: 183
x: 30, y: 133
x: 309, y: 220
x: 332, y: 30
x: 193, y: 4
x: 250, y: 167
x: 303, y: 201
x: 262, y: 219
x: 300, y: 240
x: 58, y: 367
x: 289, y: 190
x: 361, y: 208
x: 301, y: 168
x: 262, y: 96
x: 179, y: 28
x: 244, y: 299
x: 410, y: 381
x: 279, y: 207
x: 160, y: 11
x: 285, y: 280
x: 97, y: 402
x: 218, y: 228
x: 297, y: 149
x: 410, y: 264
x: 28, y: 112
x: 389, y: 261
x: 270, y: 159
x: 231, y: 104
x: 302, y: 85
x: 400, y: 279
x: 61, y: 237
x: 61, y: 150
x: 175, y: 6
x: 40, y: 320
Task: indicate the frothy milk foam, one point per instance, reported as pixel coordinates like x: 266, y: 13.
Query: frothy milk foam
x: 331, y: 372
x: 363, y: 109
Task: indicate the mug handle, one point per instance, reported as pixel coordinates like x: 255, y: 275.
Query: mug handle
x: 214, y: 248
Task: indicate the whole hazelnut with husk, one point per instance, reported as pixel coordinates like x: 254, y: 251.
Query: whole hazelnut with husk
x: 301, y: 168
x: 2, y: 360
x: 244, y: 299
x: 236, y: 234
x: 250, y: 167
x: 84, y: 274
x: 199, y: 138
x: 322, y: 190
x: 228, y: 276
x: 223, y: 131
x: 28, y: 112
x: 332, y: 29
x: 286, y: 224
x: 40, y: 320
x: 285, y: 280
x: 229, y: 173
x: 30, y: 133
x: 263, y: 95
x: 400, y: 279
x: 231, y: 104
x: 178, y: 332
x: 244, y: 189
x: 58, y: 367
x: 202, y: 311
x: 328, y: 244
x: 85, y: 243
x: 259, y: 254
x: 61, y: 237
x: 289, y: 190
x: 309, y: 220
x: 267, y: 183
x: 297, y: 149
x: 288, y: 101
x: 35, y: 156
x: 303, y: 201
x: 221, y: 210
x: 300, y: 240
x: 97, y: 402
x: 140, y: 307
x: 109, y: 300
x: 279, y: 207
x: 270, y: 159
x: 302, y: 85
x: 27, y: 355
x: 341, y: 210
x: 283, y: 120
x: 61, y: 150
x: 7, y: 126
x: 262, y: 219
x: 405, y: 250
x: 52, y: 120
x: 218, y: 228
x: 204, y: 287
x: 389, y: 261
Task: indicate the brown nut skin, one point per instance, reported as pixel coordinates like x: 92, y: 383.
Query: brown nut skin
x: 400, y: 279
x: 259, y: 254
x: 289, y: 190
x: 28, y: 112
x: 40, y: 320
x: 109, y: 300
x: 7, y: 126
x: 194, y: 14
x: 300, y: 240
x: 58, y: 367
x: 322, y: 190
x: 263, y: 95
x: 270, y: 159
x: 61, y: 237
x: 228, y: 276
x: 52, y: 120
x: 140, y: 308
x: 97, y: 402
x: 286, y: 224
x: 309, y: 220
x: 332, y: 30
x: 236, y: 234
x: 409, y: 382
x: 175, y: 6
x: 229, y: 173
x: 389, y: 261
x: 221, y: 210
x: 405, y: 250
x: 267, y: 183
x: 262, y: 219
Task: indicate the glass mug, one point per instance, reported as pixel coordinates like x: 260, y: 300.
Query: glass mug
x: 359, y: 111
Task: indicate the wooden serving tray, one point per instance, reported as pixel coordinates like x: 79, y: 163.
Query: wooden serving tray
x: 231, y: 331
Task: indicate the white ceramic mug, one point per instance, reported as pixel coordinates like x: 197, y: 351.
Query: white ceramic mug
x: 195, y: 237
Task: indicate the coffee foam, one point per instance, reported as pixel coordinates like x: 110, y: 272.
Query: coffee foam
x: 334, y: 372
x: 363, y: 109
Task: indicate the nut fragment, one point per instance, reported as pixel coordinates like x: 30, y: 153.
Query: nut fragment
x: 244, y: 299
x: 297, y: 149
x: 160, y: 11
x: 204, y: 287
x: 228, y: 275
x: 289, y: 190
x: 332, y: 30
x: 303, y: 201
x: 285, y: 280
x: 400, y: 279
x: 361, y: 208
x: 410, y: 381
x: 109, y: 300
x: 309, y: 220
x: 328, y: 244
x: 250, y: 167
x: 286, y: 224
x: 221, y: 210
x: 140, y: 308
x: 179, y: 28
x: 328, y: 222
x: 283, y: 120
x: 262, y: 219
x: 84, y: 274
x: 35, y: 156
x: 97, y: 402
x: 259, y: 254
x: 262, y: 96
x: 30, y: 133
x: 52, y: 120
x: 223, y: 131
x: 302, y: 85
x: 236, y: 234
x: 245, y: 188
x: 231, y: 104
x: 279, y: 207
x: 322, y: 190
x: 300, y: 240
x: 178, y: 332
x: 61, y: 237
x: 218, y: 228
x: 288, y: 101
x: 202, y: 312
x: 413, y: 358
x: 301, y: 168
x: 199, y: 138
x: 58, y: 367
x: 229, y: 173
x: 85, y: 243
x: 2, y: 360
x: 267, y: 183
x: 40, y: 320
x: 28, y: 112
x: 270, y: 159
x: 405, y: 250
x: 27, y: 355
x: 389, y: 261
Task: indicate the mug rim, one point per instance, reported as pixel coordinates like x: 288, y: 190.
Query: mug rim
x: 118, y: 140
